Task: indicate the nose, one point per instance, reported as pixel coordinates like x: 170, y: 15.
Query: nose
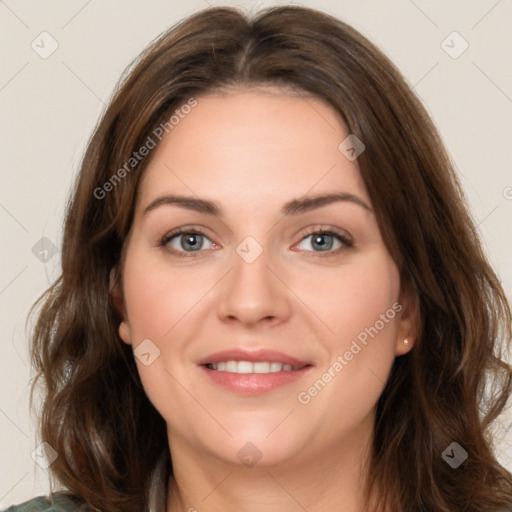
x: 254, y: 294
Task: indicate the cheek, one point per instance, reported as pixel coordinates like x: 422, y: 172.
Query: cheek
x: 361, y: 310
x: 166, y: 306
x: 353, y: 298
x: 158, y: 297
x: 160, y: 302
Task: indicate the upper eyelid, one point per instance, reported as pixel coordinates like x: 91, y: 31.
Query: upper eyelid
x: 186, y: 229
x: 323, y: 229
x: 320, y: 228
x: 346, y: 240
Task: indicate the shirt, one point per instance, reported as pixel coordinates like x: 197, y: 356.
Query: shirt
x: 157, y: 497
x: 60, y: 503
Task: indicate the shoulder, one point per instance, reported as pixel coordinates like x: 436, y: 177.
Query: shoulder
x: 57, y: 503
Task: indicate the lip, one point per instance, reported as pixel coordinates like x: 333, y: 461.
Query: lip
x: 253, y: 383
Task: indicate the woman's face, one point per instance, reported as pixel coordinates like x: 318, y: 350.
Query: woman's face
x: 257, y: 337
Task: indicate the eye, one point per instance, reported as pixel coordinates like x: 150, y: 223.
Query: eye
x: 324, y: 241
x: 183, y: 242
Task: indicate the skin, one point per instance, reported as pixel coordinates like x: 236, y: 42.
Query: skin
x: 251, y: 151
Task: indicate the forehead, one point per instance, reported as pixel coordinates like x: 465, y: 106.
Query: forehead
x: 253, y: 147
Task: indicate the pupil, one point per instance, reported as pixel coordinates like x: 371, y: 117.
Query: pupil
x: 321, y: 243
x: 191, y: 241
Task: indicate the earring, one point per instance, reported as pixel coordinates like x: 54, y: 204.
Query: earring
x: 406, y: 341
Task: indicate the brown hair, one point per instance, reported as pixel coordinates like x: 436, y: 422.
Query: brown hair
x: 450, y: 387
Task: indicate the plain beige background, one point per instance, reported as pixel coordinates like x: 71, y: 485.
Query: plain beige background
x: 49, y: 107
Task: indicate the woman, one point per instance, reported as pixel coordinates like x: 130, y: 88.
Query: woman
x: 272, y: 295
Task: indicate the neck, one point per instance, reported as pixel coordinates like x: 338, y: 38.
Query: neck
x: 313, y: 482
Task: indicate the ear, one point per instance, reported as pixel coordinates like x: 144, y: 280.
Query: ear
x: 408, y: 322
x: 116, y: 294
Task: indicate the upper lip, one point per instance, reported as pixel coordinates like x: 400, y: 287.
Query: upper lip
x: 255, y: 356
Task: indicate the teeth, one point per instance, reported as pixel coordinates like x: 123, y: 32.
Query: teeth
x: 275, y: 367
x: 230, y: 366
x: 261, y: 367
x: 245, y: 367
x: 250, y: 367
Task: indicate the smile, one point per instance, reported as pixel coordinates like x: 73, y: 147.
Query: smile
x: 250, y: 367
x: 252, y: 372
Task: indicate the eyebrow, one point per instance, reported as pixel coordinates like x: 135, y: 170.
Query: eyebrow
x: 293, y: 207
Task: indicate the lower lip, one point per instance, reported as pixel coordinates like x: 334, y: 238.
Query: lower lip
x: 254, y: 383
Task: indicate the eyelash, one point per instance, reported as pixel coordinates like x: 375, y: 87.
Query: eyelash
x: 313, y: 231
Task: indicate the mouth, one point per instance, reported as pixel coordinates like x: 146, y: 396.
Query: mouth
x: 244, y: 367
x: 253, y: 372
